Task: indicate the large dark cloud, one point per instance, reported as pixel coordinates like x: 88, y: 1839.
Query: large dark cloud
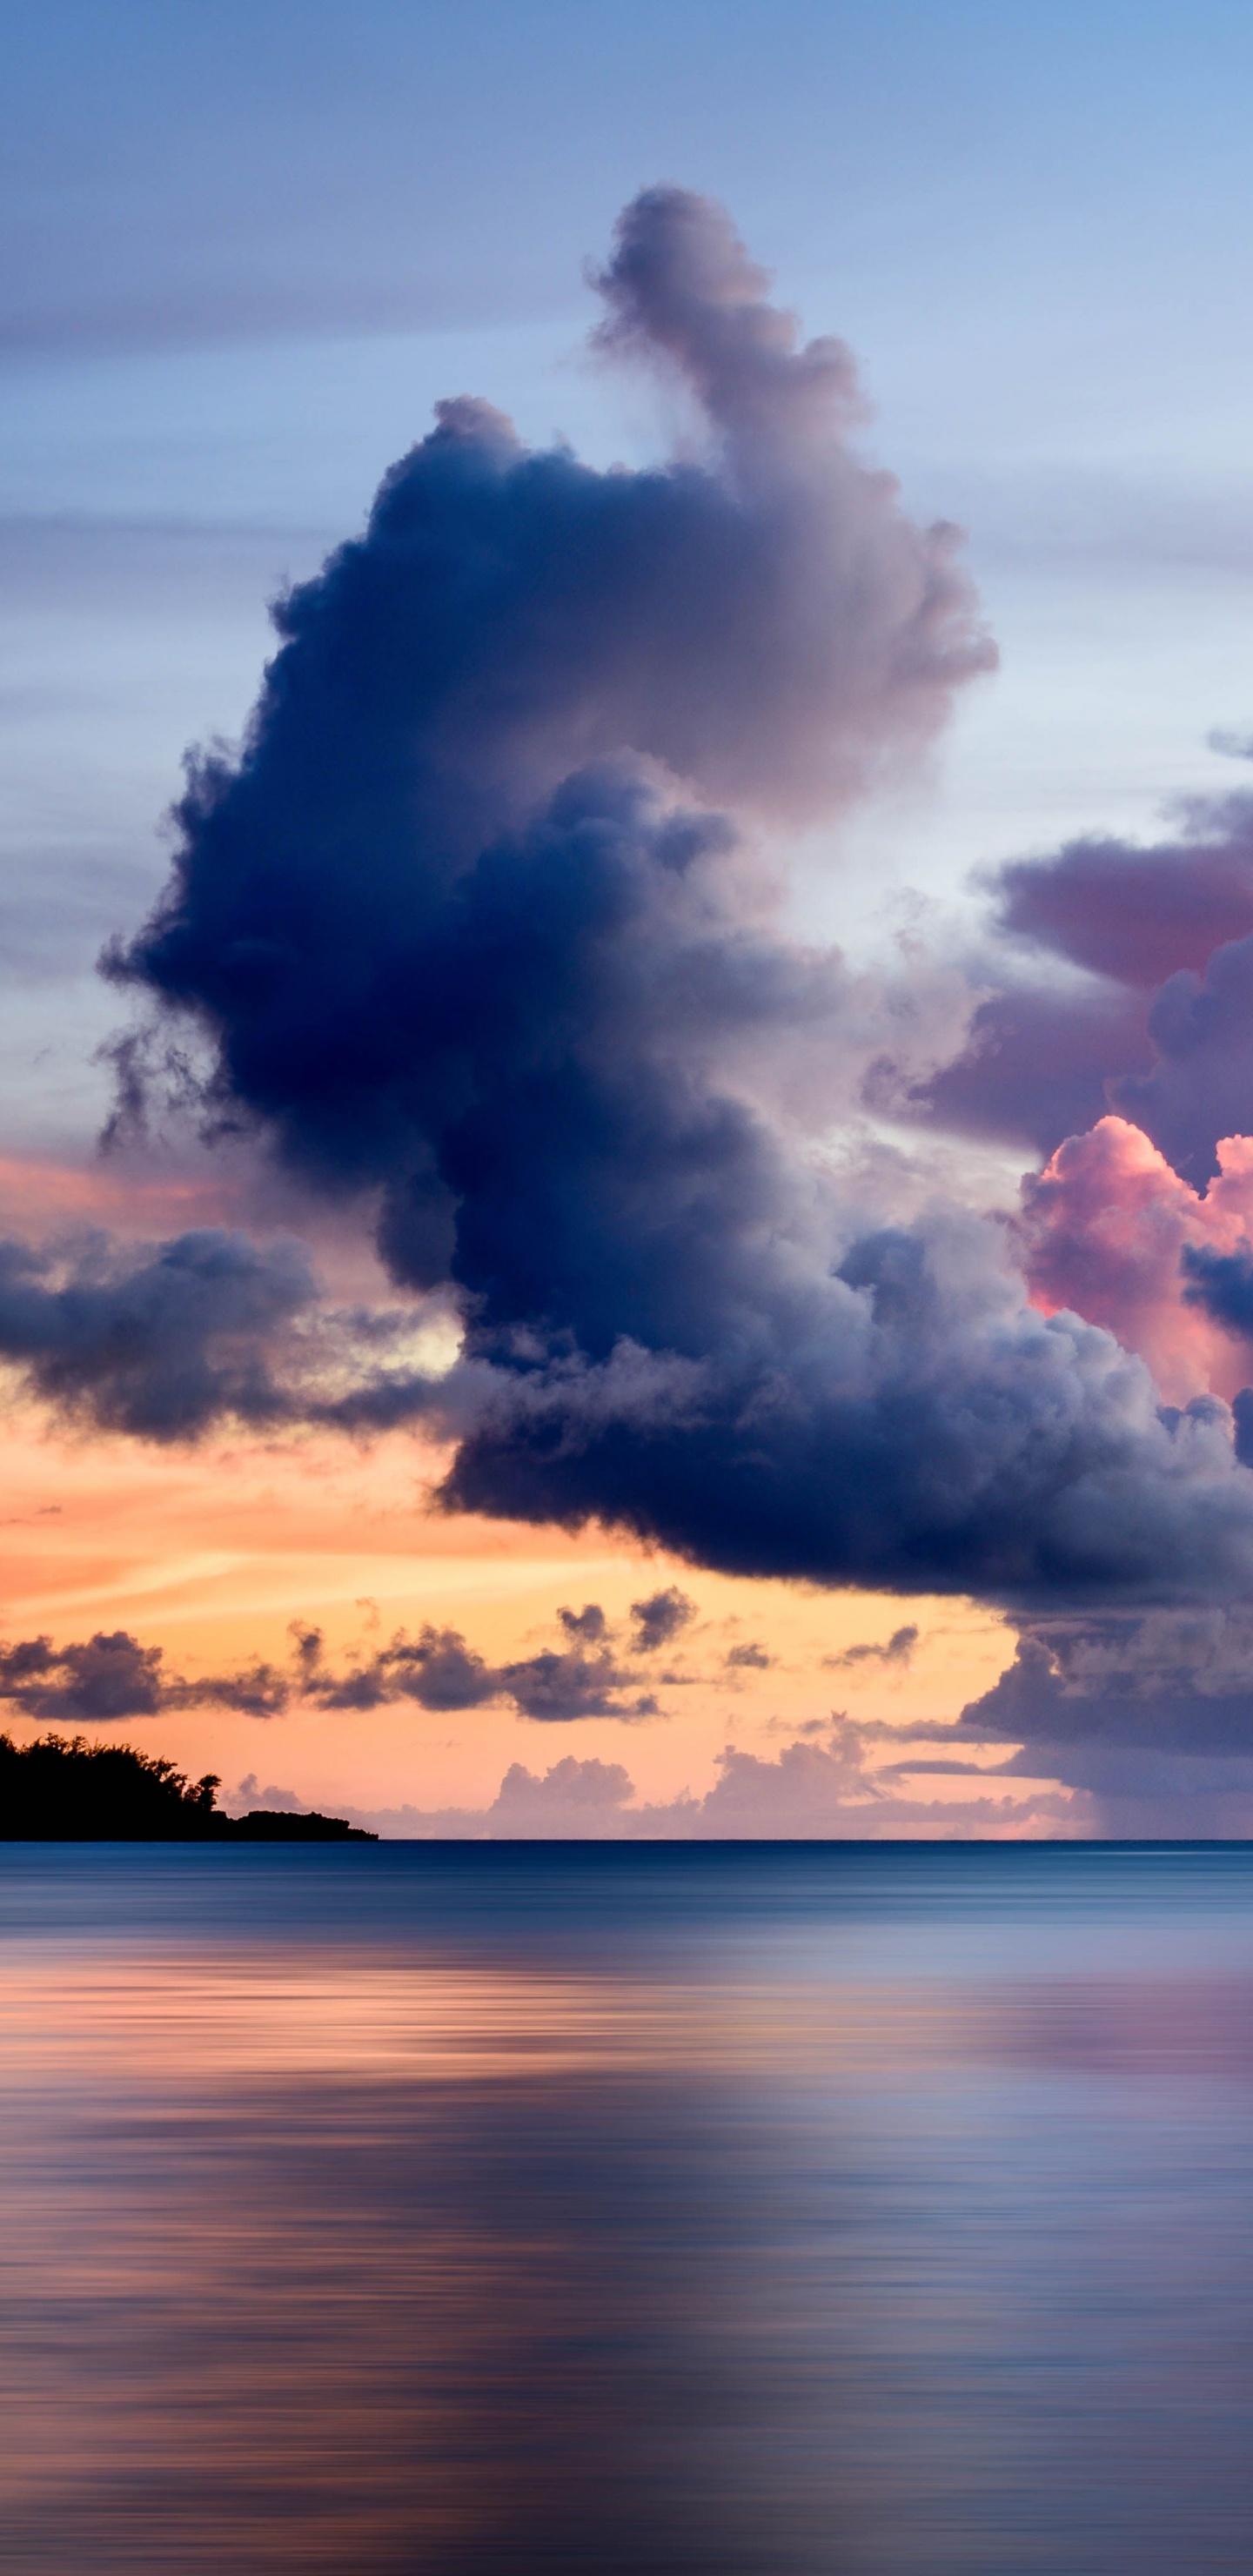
x: 767, y: 626
x: 459, y: 924
x: 906, y: 1421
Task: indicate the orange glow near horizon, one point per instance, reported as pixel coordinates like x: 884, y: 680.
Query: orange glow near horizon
x: 211, y: 1553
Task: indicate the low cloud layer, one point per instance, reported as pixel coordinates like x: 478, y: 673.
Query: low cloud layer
x: 596, y: 1671
x: 809, y: 1791
x: 1179, y: 1681
x: 111, y: 1675
x: 1148, y: 1716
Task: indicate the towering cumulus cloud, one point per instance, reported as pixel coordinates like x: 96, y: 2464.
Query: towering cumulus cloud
x: 479, y: 922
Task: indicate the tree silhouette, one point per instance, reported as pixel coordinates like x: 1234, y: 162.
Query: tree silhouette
x: 63, y: 1789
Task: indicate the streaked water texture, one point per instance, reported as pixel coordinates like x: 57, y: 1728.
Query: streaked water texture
x: 766, y: 2212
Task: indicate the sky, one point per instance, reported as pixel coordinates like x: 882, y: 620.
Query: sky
x: 625, y: 1179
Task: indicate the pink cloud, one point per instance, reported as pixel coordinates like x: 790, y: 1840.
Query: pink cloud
x: 1105, y: 1225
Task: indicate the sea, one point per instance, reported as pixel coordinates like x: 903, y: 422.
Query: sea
x: 581, y: 2210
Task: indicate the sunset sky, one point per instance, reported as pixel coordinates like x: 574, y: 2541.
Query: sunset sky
x: 648, y: 1228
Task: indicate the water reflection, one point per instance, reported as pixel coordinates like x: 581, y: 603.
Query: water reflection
x: 798, y: 2215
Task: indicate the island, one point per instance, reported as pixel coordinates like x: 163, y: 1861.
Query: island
x: 63, y: 1789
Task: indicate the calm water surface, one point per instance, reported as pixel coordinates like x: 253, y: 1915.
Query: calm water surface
x: 754, y: 2212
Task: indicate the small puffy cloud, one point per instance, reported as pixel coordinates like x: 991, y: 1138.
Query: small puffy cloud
x: 809, y: 1788
x: 438, y: 1670
x: 272, y: 1800
x: 589, y: 1624
x: 554, y: 1687
x: 573, y: 1797
x: 111, y: 1676
x: 897, y: 1649
x: 108, y: 1676
x: 659, y: 1619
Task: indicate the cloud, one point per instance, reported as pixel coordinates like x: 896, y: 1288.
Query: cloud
x: 1109, y: 1229
x: 806, y: 1788
x: 1132, y: 913
x: 583, y: 1678
x: 461, y: 930
x: 659, y: 1619
x: 107, y: 1676
x: 555, y: 1687
x: 672, y: 1327
x: 1221, y: 1283
x: 1148, y: 1718
x: 437, y: 1669
x: 1036, y: 1060
x: 1122, y: 975
x: 164, y: 1341
x: 749, y: 1657
x: 112, y: 1676
x: 158, y: 1341
x: 908, y: 1420
x: 898, y: 1650
x: 588, y: 1624
x: 571, y: 1796
x: 1201, y: 1087
x: 271, y: 1800
x: 1165, y: 1680
x: 766, y: 627
x: 811, y: 1790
